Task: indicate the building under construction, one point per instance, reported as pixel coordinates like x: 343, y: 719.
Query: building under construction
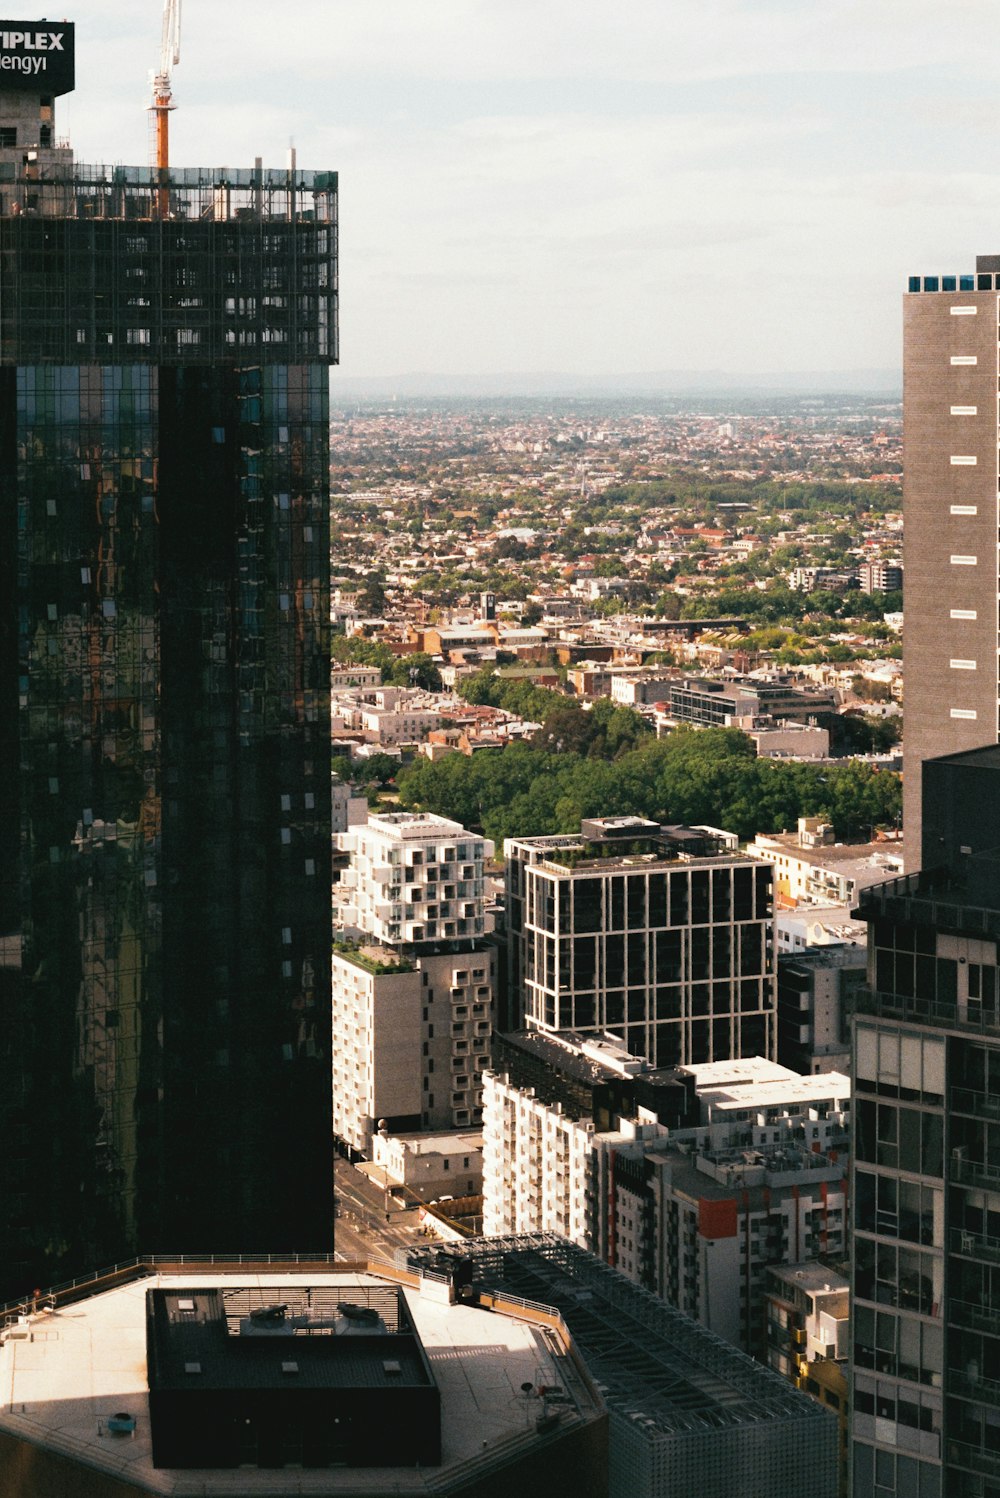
x: 165, y: 337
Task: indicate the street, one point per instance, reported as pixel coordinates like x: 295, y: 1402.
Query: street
x: 361, y: 1227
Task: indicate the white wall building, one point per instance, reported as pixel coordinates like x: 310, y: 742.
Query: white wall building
x: 346, y: 809
x: 427, y: 1166
x: 415, y: 877
x: 694, y: 1214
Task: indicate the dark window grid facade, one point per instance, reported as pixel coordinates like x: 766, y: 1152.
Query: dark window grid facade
x: 166, y: 850
x: 621, y: 951
x: 91, y: 273
x: 926, y: 1196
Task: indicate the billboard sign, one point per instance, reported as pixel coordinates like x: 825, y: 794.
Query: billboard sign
x: 37, y: 56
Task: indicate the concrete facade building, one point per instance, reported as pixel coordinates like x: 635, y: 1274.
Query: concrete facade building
x: 816, y: 991
x: 411, y: 1036
x: 660, y: 935
x: 811, y: 867
x: 241, y: 1378
x: 950, y: 439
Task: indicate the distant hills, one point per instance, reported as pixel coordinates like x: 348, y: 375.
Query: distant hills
x: 670, y: 382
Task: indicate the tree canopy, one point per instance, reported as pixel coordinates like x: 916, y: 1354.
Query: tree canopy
x: 708, y: 776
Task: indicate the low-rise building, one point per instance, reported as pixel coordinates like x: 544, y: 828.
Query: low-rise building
x: 687, y: 1413
x: 426, y: 1166
x: 809, y: 866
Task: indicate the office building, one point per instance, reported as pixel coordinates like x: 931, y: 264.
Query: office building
x: 659, y: 935
x: 950, y: 440
x: 164, y: 829
x: 925, y: 1203
x: 710, y: 702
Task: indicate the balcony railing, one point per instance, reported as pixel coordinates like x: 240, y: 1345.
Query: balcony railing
x: 921, y: 1011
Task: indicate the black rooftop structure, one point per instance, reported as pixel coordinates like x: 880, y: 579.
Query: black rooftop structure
x: 321, y: 1378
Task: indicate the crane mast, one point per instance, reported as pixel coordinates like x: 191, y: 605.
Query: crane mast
x: 170, y: 56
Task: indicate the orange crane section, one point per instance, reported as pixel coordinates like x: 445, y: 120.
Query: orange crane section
x: 170, y: 56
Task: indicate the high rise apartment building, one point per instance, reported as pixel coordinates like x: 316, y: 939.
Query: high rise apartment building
x: 950, y: 487
x: 414, y: 979
x: 660, y: 935
x: 699, y: 1180
x: 926, y: 1182
x: 164, y: 599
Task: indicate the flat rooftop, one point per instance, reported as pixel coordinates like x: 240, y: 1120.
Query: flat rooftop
x: 64, y: 1372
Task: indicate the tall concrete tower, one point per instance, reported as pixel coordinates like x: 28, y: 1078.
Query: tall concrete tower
x: 950, y: 456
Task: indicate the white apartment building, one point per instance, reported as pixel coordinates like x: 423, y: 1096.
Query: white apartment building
x: 694, y: 1214
x: 415, y: 878
x: 536, y: 1165
x: 810, y: 868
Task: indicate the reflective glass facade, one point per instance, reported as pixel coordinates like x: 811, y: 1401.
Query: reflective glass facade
x: 165, y: 744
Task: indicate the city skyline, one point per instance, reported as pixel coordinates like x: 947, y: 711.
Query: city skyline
x: 533, y: 190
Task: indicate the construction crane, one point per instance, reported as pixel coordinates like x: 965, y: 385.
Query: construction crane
x: 170, y: 56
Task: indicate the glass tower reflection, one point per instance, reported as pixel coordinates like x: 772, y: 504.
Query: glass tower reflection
x: 164, y: 702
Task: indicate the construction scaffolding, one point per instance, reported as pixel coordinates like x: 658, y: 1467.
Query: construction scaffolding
x: 240, y: 269
x: 689, y: 1412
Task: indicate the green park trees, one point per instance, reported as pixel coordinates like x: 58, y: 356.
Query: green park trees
x: 708, y: 776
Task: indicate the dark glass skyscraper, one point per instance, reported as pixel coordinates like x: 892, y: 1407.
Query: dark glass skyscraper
x: 164, y: 705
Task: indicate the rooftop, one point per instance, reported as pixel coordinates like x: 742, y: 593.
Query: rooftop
x: 418, y: 824
x: 65, y: 1369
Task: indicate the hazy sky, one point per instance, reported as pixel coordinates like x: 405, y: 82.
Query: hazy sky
x: 534, y: 185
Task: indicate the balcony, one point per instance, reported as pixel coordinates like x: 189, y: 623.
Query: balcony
x: 973, y: 1172
x: 920, y: 1012
x: 975, y: 1315
x: 973, y: 1458
x: 973, y: 1245
x: 973, y: 1386
x: 979, y: 1104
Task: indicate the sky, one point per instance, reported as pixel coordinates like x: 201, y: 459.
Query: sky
x: 557, y: 185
